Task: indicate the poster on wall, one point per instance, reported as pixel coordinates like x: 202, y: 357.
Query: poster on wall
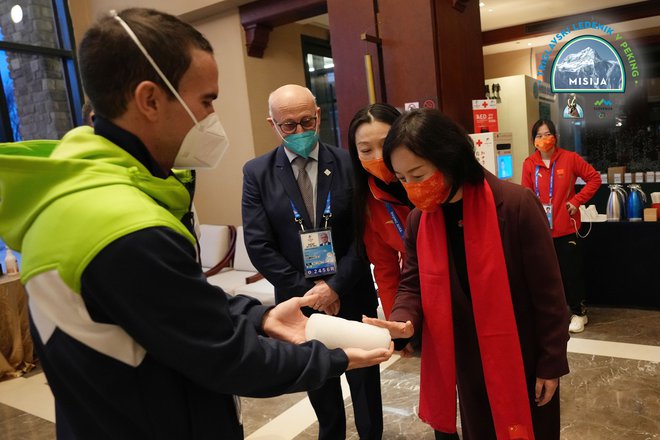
x: 484, y: 115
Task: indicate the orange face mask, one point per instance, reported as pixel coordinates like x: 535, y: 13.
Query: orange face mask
x: 377, y: 168
x: 428, y: 194
x: 545, y: 144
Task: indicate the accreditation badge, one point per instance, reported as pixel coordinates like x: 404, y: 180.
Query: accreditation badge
x: 318, y: 253
x: 548, y: 212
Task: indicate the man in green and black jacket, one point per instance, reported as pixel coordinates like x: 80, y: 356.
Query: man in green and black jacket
x: 134, y: 342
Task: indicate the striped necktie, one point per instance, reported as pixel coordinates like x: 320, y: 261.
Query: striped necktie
x: 305, y: 185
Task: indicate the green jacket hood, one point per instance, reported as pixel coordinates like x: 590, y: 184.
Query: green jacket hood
x: 34, y: 174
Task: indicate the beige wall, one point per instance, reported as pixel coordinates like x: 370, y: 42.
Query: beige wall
x: 81, y: 17
x: 508, y: 63
x: 190, y: 9
x: 281, y: 64
x: 218, y: 196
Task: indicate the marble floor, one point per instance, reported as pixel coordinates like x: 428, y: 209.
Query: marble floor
x: 612, y: 392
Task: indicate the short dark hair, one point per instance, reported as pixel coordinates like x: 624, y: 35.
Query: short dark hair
x: 433, y: 136
x: 112, y: 65
x: 539, y: 123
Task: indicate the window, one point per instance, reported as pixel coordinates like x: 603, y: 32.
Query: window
x: 320, y: 79
x: 39, y: 89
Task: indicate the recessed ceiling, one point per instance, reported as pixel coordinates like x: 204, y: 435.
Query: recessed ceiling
x: 497, y: 14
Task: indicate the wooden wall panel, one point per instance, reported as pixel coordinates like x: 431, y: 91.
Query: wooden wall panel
x: 409, y: 64
x: 349, y: 19
x: 460, y: 59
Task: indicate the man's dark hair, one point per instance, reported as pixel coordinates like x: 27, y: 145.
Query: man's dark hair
x: 433, y: 136
x: 112, y: 65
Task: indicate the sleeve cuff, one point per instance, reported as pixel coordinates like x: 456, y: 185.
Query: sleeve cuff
x: 256, y: 316
x: 338, y: 362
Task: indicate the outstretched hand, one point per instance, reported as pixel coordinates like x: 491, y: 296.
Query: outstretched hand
x: 286, y: 322
x: 359, y: 358
x: 398, y: 330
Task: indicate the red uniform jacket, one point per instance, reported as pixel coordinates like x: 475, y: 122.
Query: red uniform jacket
x: 569, y: 166
x: 384, y: 244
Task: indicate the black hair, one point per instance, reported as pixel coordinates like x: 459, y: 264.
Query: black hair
x: 539, y: 123
x: 386, y: 114
x: 112, y: 65
x: 436, y: 138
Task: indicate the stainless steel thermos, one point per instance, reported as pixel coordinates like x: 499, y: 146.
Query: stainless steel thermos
x: 616, y: 204
x: 635, y: 203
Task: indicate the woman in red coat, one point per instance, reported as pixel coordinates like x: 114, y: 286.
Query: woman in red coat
x: 380, y: 199
x: 481, y: 283
x: 551, y: 173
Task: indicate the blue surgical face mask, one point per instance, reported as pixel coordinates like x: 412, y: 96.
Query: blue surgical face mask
x: 302, y: 143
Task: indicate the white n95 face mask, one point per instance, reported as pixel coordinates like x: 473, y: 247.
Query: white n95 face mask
x: 206, y: 142
x: 204, y: 145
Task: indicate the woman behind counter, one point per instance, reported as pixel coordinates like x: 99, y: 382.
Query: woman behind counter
x: 488, y: 303
x: 380, y: 199
x: 551, y: 173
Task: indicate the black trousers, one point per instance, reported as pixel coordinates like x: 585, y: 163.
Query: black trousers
x: 571, y: 264
x: 328, y: 403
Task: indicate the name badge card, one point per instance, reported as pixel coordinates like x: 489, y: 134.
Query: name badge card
x: 548, y: 212
x: 318, y: 253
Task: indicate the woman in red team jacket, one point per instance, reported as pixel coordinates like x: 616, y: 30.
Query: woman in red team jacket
x: 380, y: 199
x: 551, y: 173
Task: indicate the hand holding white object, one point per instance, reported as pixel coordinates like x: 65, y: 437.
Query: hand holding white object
x: 286, y: 322
x: 358, y: 358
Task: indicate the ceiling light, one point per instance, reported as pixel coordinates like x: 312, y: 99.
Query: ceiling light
x: 482, y: 4
x: 490, y: 10
x: 529, y: 44
x: 16, y: 14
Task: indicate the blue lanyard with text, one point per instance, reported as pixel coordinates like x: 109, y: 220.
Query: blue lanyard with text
x: 395, y: 219
x: 552, y: 181
x: 326, y: 213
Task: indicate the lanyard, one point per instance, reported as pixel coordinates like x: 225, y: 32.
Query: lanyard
x: 326, y: 213
x: 395, y: 219
x: 552, y: 181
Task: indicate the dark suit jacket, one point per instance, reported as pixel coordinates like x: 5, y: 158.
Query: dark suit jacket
x: 272, y: 235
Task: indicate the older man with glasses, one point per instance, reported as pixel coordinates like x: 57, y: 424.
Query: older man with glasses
x: 304, y: 187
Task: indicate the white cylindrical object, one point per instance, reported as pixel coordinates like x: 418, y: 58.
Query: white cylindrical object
x: 336, y: 332
x: 10, y: 262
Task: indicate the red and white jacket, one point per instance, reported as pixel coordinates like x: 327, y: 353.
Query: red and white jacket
x: 569, y: 166
x: 383, y: 243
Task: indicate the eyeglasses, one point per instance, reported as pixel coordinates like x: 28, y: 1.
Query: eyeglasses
x: 290, y: 127
x: 544, y: 135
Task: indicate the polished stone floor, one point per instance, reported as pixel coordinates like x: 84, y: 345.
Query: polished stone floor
x: 612, y: 392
